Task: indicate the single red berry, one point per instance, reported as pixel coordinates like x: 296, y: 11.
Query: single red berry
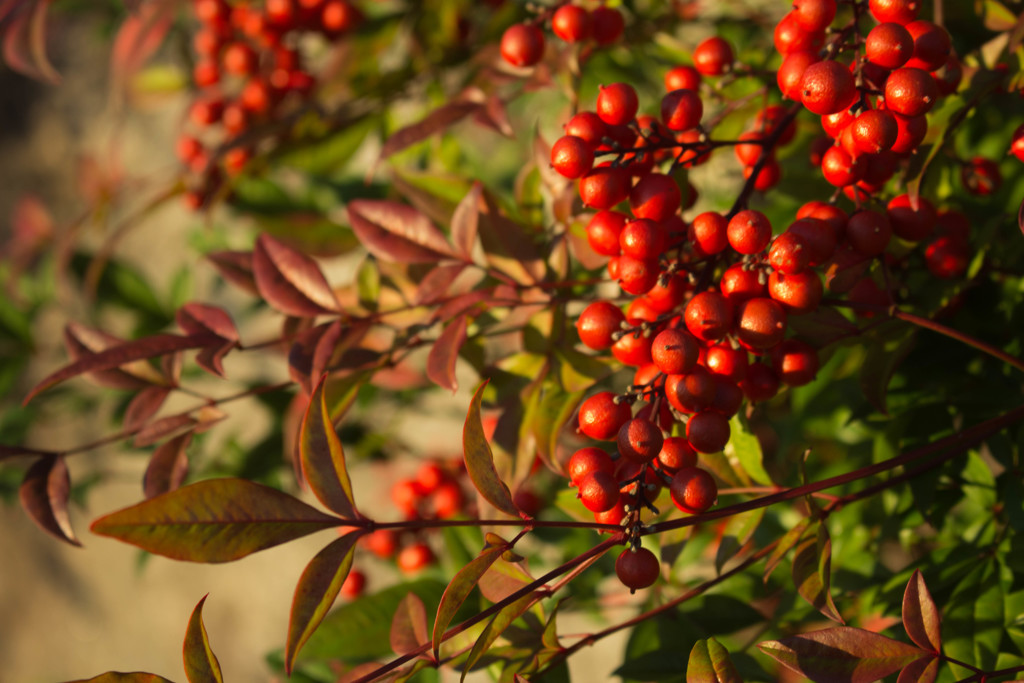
x: 601, y: 417
x: 708, y: 431
x: 643, y: 239
x: 818, y: 237
x: 383, y: 543
x: 791, y: 73
x: 868, y: 232
x: 675, y: 351
x: 617, y: 103
x: 603, y: 232
x: 663, y: 298
x: 814, y: 15
x: 682, y: 78
x: 909, y: 223
x: 415, y: 557
x: 206, y: 73
x: 740, y: 283
x: 587, y: 125
x: 790, y: 37
x: 708, y: 316
x: 692, y: 392
x: 910, y: 92
x: 604, y: 187
x: 571, y: 23
x: 713, y: 57
x: 447, y: 500
x: 681, y: 109
x: 587, y: 460
x: 761, y: 384
x: 709, y: 232
x: 932, y: 45
x: 693, y: 490
x: 874, y: 131
x: 889, y: 45
x: 768, y: 175
x: 639, y: 440
x: 572, y: 156
x: 841, y: 169
x: 896, y: 11
x: 723, y: 361
x: 353, y: 585
x: 637, y: 276
x: 240, y: 59
x: 407, y: 495
x: 788, y: 253
x: 798, y: 292
x: 827, y: 87
x: 599, y: 491
x: 606, y: 25
x: 597, y: 324
x: 760, y: 323
x: 522, y: 45
x: 656, y: 196
x: 675, y: 454
x: 749, y: 232
x: 637, y: 569
x: 796, y: 362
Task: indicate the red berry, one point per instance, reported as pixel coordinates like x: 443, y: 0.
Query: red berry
x: 909, y: 223
x: 587, y: 125
x: 601, y: 417
x: 599, y: 491
x: 897, y: 11
x: 637, y: 276
x: 749, y: 232
x: 415, y: 557
x: 587, y: 460
x: 981, y: 176
x: 790, y: 37
x: 637, y: 569
x: 571, y: 23
x: 910, y: 92
x: 761, y: 383
x: 617, y: 103
x: 874, y: 131
x: 681, y: 109
x: 693, y: 490
x: 709, y: 232
x: 383, y: 543
x: 354, y: 584
x: 597, y: 324
x: 675, y: 352
x: 707, y: 431
x: 572, y: 156
x: 797, y: 292
x: 682, y: 78
x: 522, y: 45
x: 791, y: 73
x: 946, y: 257
x: 713, y: 57
x: 868, y: 232
x: 796, y: 362
x: 692, y: 392
x: 604, y: 187
x: 675, y: 454
x: 739, y: 283
x: 606, y: 25
x: 931, y: 45
x: 814, y: 15
x: 639, y: 440
x: 760, y: 323
x: 827, y: 87
x: 723, y: 361
x: 889, y: 45
x: 708, y: 316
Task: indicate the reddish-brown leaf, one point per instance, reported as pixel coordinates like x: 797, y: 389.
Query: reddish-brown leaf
x: 920, y: 616
x: 336, y: 340
x: 435, y: 122
x: 480, y: 460
x: 434, y: 286
x: 924, y: 670
x: 144, y: 406
x: 458, y: 305
x: 201, y: 665
x: 139, y: 37
x: 316, y: 591
x: 290, y: 281
x: 168, y: 466
x: 8, y: 6
x: 459, y: 588
x: 147, y: 347
x: 322, y: 457
x: 119, y: 677
x: 409, y: 625
x: 32, y: 228
x: 508, y: 247
x: 301, y: 353
x: 44, y: 495
x: 164, y: 428
x: 83, y: 342
x: 842, y: 655
x: 396, y: 232
x: 812, y: 571
x: 216, y: 520
x: 236, y: 267
x: 24, y: 44
x: 196, y: 318
x: 465, y: 221
x: 444, y: 353
x: 211, y: 358
x: 494, y: 115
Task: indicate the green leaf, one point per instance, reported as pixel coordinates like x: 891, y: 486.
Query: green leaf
x: 480, y: 460
x: 495, y: 627
x: 843, y: 653
x: 974, y: 617
x: 201, y: 665
x: 879, y: 366
x: 786, y: 543
x: 368, y: 283
x: 738, y: 530
x: 812, y: 573
x: 217, y: 520
x: 316, y: 591
x: 323, y: 458
x: 458, y: 590
x: 118, y: 677
x: 710, y: 663
x: 323, y: 155
x: 997, y: 17
x: 920, y: 616
x: 747, y: 450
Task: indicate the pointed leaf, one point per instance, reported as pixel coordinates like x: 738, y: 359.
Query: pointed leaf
x: 710, y: 663
x: 747, y: 448
x: 508, y: 248
x: 236, y: 267
x: 144, y: 406
x: 842, y: 655
x: 458, y: 590
x: 812, y: 573
x: 290, y: 281
x: 82, y: 342
x: 168, y: 466
x: 409, y: 625
x: 119, y: 677
x: 147, y: 347
x: 924, y: 670
x: 211, y: 358
x: 434, y: 286
x: 920, y: 616
x: 879, y: 366
x: 738, y: 530
x: 368, y: 283
x: 786, y: 544
x: 195, y: 318
x: 435, y: 122
x: 323, y: 459
x: 495, y: 627
x: 164, y: 428
x: 397, y: 233
x: 217, y: 520
x: 444, y: 353
x: 44, y: 494
x: 24, y: 44
x: 316, y: 591
x: 201, y: 665
x: 480, y: 460
x: 465, y: 221
x: 139, y: 37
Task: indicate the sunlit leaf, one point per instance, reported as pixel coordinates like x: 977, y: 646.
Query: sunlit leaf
x: 201, y: 665
x: 196, y: 318
x: 316, y: 591
x: 480, y: 460
x: 409, y: 625
x: 217, y: 520
x: 920, y: 616
x: 459, y: 588
x: 738, y: 530
x: 44, y: 495
x: 396, y: 232
x: 323, y: 458
x: 495, y: 627
x: 747, y: 449
x: 843, y: 653
x: 435, y: 122
x: 435, y: 284
x: 368, y: 283
x: 924, y: 670
x: 710, y: 663
x: 167, y: 467
x: 290, y: 281
x: 445, y: 352
x: 465, y: 222
x: 119, y: 677
x: 145, y: 404
x: 812, y: 569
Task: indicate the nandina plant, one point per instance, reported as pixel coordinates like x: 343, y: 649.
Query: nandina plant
x: 741, y: 318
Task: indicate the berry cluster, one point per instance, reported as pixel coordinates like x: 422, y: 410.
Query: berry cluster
x: 523, y: 44
x: 708, y: 325
x: 248, y: 71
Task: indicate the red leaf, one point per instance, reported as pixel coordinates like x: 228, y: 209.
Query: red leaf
x: 396, y: 232
x: 138, y: 38
x: 32, y: 227
x: 201, y: 665
x: 25, y: 43
x: 44, y: 495
x: 82, y: 342
x: 236, y: 267
x: 494, y: 115
x: 216, y: 520
x: 290, y: 281
x: 480, y: 460
x: 335, y: 341
x: 144, y: 406
x: 211, y: 358
x: 436, y: 121
x: 920, y: 616
x: 458, y: 590
x: 462, y: 303
x: 842, y: 655
x: 168, y: 466
x: 444, y: 353
x: 7, y: 6
x: 508, y: 247
x: 812, y: 573
x: 465, y: 221
x: 162, y: 428
x: 119, y: 677
x: 924, y: 670
x: 409, y: 625
x: 147, y: 347
x: 435, y: 284
x: 323, y: 459
x: 197, y: 318
x: 316, y: 591
x: 709, y: 663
